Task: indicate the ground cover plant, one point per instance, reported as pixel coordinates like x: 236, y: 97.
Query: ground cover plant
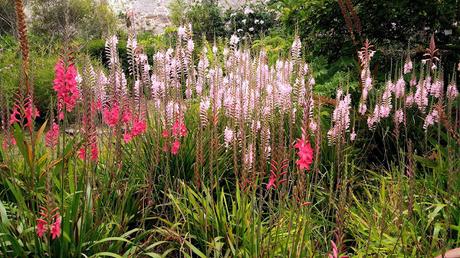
x: 223, y: 151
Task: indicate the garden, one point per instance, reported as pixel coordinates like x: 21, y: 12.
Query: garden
x: 279, y: 128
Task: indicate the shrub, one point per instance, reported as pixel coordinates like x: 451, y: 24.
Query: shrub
x: 42, y: 61
x: 72, y: 18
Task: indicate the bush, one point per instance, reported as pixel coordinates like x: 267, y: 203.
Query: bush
x: 41, y: 73
x: 210, y: 20
x: 253, y: 20
x: 391, y: 25
x: 72, y: 18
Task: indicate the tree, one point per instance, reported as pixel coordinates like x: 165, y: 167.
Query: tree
x: 84, y: 18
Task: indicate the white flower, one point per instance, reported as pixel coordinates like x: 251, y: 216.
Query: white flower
x: 234, y: 40
x: 251, y: 29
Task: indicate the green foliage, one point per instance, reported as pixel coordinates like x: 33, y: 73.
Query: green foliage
x: 330, y: 76
x: 74, y: 18
x: 7, y: 17
x: 391, y: 25
x: 42, y: 72
x: 206, y: 19
x: 251, y: 20
x: 210, y: 20
x: 276, y: 46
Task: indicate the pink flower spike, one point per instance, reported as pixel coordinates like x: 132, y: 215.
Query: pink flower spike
x: 165, y: 133
x: 175, y: 147
x: 305, y: 153
x: 127, y: 115
x: 13, y: 117
x: 30, y: 112
x: 334, y: 249
x: 271, y: 181
x: 179, y: 129
x: 139, y: 127
x: 94, y: 152
x: 82, y: 153
x: 56, y: 228
x: 183, y: 130
x: 52, y: 136
x: 111, y: 115
x: 165, y: 148
x: 7, y: 142
x: 65, y: 85
x: 127, y: 137
x: 41, y: 227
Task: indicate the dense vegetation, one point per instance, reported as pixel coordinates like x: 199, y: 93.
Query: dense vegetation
x: 318, y: 132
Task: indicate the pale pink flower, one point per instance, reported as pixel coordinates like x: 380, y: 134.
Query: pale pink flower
x: 353, y: 135
x: 228, y: 136
x: 190, y: 45
x: 340, y: 117
x: 181, y: 32
x: 436, y: 89
x: 409, y: 100
x: 407, y: 66
x: 399, y: 117
x: 362, y: 108
x: 431, y: 119
x: 452, y: 91
x: 188, y: 93
x: 400, y: 87
x: 368, y: 83
x: 421, y: 96
x: 249, y: 156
